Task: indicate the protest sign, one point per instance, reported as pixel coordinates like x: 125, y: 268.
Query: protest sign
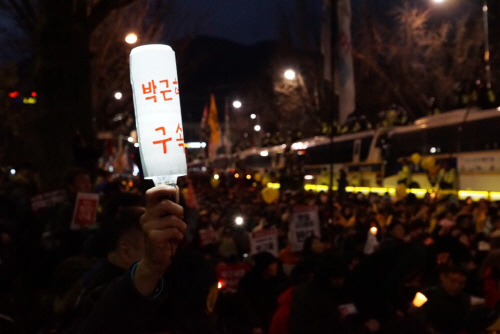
x: 264, y: 241
x: 304, y: 222
x: 155, y: 87
x: 85, y: 211
x: 47, y: 200
x: 229, y: 275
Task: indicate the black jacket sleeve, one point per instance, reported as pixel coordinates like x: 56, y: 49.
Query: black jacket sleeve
x: 122, y: 309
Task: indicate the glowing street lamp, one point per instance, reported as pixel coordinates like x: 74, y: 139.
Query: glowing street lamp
x: 289, y: 74
x: 237, y: 104
x: 253, y: 116
x: 257, y: 128
x: 131, y: 38
x: 239, y: 221
x: 118, y: 95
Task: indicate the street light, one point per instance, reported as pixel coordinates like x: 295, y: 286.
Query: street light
x: 257, y: 128
x: 253, y: 116
x: 131, y: 38
x: 237, y: 104
x: 289, y: 74
x: 118, y: 95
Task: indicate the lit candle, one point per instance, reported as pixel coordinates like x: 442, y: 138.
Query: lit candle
x: 419, y: 299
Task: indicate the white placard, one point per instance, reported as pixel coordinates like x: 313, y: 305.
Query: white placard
x: 304, y: 223
x: 264, y: 241
x: 153, y: 74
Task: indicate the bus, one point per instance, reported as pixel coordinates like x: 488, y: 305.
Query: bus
x: 468, y: 139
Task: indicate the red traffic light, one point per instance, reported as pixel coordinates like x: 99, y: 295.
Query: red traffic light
x: 13, y: 94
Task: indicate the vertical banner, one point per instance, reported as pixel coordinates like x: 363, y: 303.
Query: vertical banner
x: 264, y: 241
x: 213, y: 123
x: 344, y: 72
x: 85, y: 211
x: 227, y: 130
x: 155, y: 88
x: 304, y: 222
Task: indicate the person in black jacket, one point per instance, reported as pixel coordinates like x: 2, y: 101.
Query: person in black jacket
x: 129, y: 303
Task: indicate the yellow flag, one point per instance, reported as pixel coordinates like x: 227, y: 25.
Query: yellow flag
x: 213, y: 122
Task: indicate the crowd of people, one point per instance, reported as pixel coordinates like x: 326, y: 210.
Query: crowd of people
x: 358, y: 270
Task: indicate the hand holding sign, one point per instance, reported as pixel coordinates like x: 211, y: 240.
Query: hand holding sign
x: 163, y: 229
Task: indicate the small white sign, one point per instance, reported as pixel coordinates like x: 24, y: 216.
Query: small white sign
x: 304, y: 223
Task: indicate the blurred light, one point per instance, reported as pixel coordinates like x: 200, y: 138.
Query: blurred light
x: 195, y: 144
x: 130, y: 139
x: 118, y: 117
x: 236, y: 175
x: 308, y: 177
x: 253, y: 116
x: 438, y: 1
x: 485, y: 8
x: 130, y: 184
x: 118, y: 95
x: 315, y: 187
x: 238, y: 221
x: 373, y: 230
x: 245, y: 255
x: 111, y: 169
x: 249, y: 177
x: 290, y: 74
x: 264, y: 153
x: 433, y: 150
x: 257, y: 127
x: 220, y: 284
x: 131, y: 38
x: 301, y: 152
x: 245, y: 135
x: 498, y: 108
x: 237, y: 104
x: 29, y: 100
x: 273, y: 185
x: 13, y: 171
x: 216, y: 176
x: 419, y: 299
x: 204, y: 169
x: 298, y: 146
x: 33, y: 94
x: 136, y: 170
x: 136, y: 145
x: 13, y: 94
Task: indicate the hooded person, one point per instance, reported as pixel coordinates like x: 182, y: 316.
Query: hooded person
x: 259, y: 290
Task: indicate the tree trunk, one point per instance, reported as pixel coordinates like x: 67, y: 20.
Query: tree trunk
x: 63, y: 79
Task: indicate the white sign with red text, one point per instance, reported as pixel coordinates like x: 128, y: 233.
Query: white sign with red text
x: 85, y: 211
x: 155, y: 87
x: 264, y: 241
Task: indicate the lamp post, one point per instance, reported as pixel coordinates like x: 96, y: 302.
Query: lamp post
x: 487, y: 66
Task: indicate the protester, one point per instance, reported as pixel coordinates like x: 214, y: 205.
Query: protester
x: 412, y: 243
